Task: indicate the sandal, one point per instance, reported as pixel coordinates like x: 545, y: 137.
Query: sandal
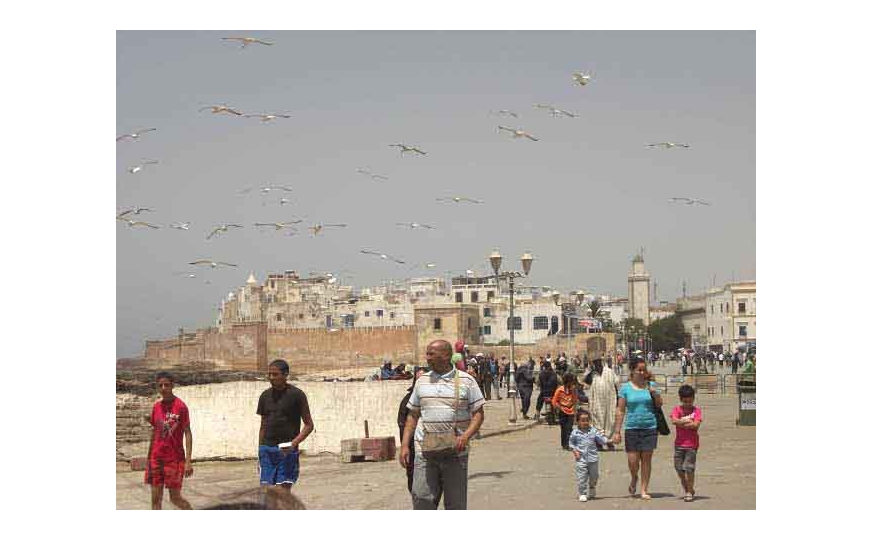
x: 689, y: 497
x: 632, y: 488
x: 645, y: 497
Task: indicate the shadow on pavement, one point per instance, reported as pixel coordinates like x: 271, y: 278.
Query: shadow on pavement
x: 495, y: 474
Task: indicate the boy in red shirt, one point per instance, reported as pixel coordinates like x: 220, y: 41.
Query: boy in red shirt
x: 687, y: 418
x: 167, y: 463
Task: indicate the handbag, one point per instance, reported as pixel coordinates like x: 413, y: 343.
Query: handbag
x: 442, y: 443
x: 663, y: 426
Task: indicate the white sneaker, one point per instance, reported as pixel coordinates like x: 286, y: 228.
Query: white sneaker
x: 583, y: 498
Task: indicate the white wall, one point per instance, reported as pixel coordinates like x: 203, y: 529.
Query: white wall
x: 224, y: 423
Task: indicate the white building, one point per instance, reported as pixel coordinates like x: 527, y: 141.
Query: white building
x: 730, y: 312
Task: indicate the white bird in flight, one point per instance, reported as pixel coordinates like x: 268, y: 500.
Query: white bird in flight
x: 583, y: 78
x: 211, y: 263
x: 137, y: 168
x: 506, y: 112
x: 405, y: 148
x: 220, y: 109
x: 246, y: 41
x: 414, y: 225
x: 267, y: 117
x: 668, y: 145
x: 134, y: 136
x: 136, y: 211
x: 516, y: 133
x: 371, y: 174
x: 689, y: 201
x: 554, y: 111
x: 383, y: 256
x: 279, y: 225
x: 318, y: 227
x: 459, y: 199
x: 267, y: 189
x: 222, y: 228
x: 132, y: 223
x: 182, y: 225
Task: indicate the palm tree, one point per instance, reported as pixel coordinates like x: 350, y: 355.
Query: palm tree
x: 594, y: 307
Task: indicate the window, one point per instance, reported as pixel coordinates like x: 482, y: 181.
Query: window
x: 379, y: 313
x: 486, y: 312
x: 469, y: 323
x: 437, y: 324
x: 328, y: 321
x: 721, y: 307
x: 743, y: 332
x: 459, y: 297
x: 490, y: 296
x: 299, y: 315
x: 366, y: 314
x: 741, y: 307
x: 486, y: 330
x: 391, y: 315
x: 554, y: 328
x: 516, y: 323
x: 474, y: 296
x: 722, y: 330
x: 541, y: 323
x: 278, y: 316
x: 712, y: 309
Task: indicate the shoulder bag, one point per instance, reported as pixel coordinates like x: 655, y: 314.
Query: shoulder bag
x: 442, y: 444
x: 663, y: 426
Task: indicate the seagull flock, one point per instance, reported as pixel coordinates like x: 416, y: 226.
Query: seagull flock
x: 580, y: 78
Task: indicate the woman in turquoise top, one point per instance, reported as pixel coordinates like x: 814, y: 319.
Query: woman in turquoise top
x: 637, y: 400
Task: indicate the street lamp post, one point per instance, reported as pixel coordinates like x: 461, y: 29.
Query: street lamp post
x: 526, y: 261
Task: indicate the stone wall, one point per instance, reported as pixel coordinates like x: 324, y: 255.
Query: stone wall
x: 224, y: 423
x: 316, y: 348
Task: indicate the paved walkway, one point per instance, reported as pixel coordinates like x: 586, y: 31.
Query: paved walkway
x: 521, y: 469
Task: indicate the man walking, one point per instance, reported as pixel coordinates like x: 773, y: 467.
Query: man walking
x: 548, y: 385
x: 524, y: 382
x: 281, y: 408
x: 434, y: 412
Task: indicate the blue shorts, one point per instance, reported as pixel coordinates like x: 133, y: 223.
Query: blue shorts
x: 277, y: 467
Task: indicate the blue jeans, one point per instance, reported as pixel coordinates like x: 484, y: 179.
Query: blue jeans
x: 586, y: 475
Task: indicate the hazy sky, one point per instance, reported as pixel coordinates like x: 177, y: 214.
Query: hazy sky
x: 583, y: 199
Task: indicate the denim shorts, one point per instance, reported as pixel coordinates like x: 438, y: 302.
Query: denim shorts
x: 684, y: 459
x: 640, y: 440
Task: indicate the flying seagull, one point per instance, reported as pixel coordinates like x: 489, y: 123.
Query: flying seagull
x: 414, y: 225
x: 222, y: 228
x: 220, y: 109
x: 182, y: 226
x: 246, y: 41
x: 668, y: 145
x: 318, y: 227
x: 267, y: 117
x: 137, y: 168
x: 505, y: 112
x: 134, y: 136
x: 132, y: 223
x: 516, y: 133
x: 582, y: 78
x: 136, y: 211
x: 689, y: 201
x: 404, y: 148
x: 371, y: 174
x: 279, y: 225
x: 211, y: 263
x: 383, y: 256
x: 459, y: 199
x: 554, y: 111
x: 267, y: 189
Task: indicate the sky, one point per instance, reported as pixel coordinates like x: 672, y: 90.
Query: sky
x: 583, y: 199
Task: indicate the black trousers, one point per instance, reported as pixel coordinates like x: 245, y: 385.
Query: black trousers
x: 525, y: 394
x: 542, y: 399
x: 566, y: 428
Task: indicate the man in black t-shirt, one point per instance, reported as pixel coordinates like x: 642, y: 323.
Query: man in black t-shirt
x: 281, y: 408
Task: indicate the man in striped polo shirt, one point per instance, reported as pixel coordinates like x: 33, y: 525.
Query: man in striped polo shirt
x: 432, y: 409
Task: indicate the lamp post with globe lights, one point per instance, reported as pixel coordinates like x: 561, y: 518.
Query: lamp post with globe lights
x: 526, y: 260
